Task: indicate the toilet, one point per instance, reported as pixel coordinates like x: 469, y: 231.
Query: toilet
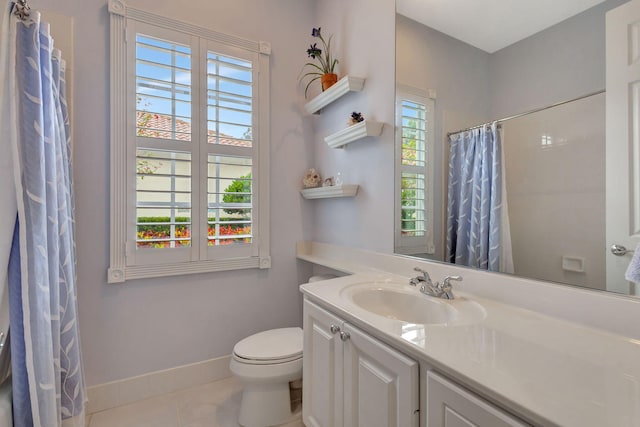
x: 266, y: 363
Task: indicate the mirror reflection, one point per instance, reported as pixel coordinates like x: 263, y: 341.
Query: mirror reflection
x: 523, y: 191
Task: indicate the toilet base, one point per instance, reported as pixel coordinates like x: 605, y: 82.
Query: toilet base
x: 265, y: 405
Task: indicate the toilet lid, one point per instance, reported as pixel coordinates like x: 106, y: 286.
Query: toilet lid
x: 275, y: 344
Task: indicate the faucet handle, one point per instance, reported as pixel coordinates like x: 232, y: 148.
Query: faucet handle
x: 446, y: 288
x: 425, y: 274
x: 446, y: 282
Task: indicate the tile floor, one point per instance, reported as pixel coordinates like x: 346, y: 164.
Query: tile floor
x: 211, y: 405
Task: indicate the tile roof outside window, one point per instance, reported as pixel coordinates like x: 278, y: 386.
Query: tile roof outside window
x: 161, y: 126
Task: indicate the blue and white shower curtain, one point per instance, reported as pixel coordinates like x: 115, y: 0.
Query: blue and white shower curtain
x: 477, y: 221
x: 47, y: 375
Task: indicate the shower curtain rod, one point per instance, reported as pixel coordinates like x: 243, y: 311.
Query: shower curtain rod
x: 528, y: 112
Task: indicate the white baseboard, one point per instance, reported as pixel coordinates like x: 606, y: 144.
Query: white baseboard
x: 129, y: 390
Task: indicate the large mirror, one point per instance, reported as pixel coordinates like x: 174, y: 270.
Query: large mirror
x: 461, y: 64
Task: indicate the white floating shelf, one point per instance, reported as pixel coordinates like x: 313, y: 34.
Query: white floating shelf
x: 353, y: 133
x: 342, y: 87
x: 332, y: 191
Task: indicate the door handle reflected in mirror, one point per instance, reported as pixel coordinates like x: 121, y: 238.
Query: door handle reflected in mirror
x: 619, y: 250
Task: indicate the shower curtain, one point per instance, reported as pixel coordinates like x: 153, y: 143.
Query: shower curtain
x: 477, y: 221
x: 47, y: 375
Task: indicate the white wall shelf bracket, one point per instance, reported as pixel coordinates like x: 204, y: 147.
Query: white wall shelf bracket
x: 354, y: 133
x: 342, y: 87
x: 332, y: 191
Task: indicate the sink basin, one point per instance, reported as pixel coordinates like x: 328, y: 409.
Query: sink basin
x: 399, y: 302
x: 410, y: 308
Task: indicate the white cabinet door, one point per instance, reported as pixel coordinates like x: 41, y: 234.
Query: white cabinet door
x: 350, y: 379
x: 380, y: 384
x: 449, y: 405
x: 322, y: 403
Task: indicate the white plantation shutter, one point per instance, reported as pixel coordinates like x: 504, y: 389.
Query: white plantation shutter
x: 167, y: 147
x: 229, y: 100
x: 163, y: 120
x: 230, y: 152
x: 163, y: 198
x: 229, y: 218
x: 413, y: 161
x: 163, y: 89
x: 414, y: 146
x: 196, y: 187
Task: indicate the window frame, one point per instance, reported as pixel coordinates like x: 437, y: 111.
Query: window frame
x: 125, y: 262
x: 413, y: 245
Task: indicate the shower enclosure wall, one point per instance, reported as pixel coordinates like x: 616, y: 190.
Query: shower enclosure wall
x: 555, y: 169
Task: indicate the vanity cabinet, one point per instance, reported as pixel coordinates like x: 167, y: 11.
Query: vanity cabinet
x: 353, y: 380
x: 449, y: 405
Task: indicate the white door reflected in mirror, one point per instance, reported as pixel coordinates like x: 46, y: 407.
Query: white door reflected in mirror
x: 623, y: 138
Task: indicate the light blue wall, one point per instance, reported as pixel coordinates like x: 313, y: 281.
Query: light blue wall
x: 147, y: 325
x: 560, y: 63
x: 365, y: 43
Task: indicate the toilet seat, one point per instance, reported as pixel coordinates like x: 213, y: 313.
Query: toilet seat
x: 265, y: 362
x: 270, y: 347
x: 266, y: 373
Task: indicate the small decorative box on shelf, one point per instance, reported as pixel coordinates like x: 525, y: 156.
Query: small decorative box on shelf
x: 332, y: 191
x: 342, y: 87
x: 353, y: 133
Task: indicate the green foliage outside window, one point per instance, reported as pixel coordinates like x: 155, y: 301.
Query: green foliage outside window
x: 239, y: 191
x: 408, y: 185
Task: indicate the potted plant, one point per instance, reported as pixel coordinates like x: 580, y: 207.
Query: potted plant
x: 324, y: 68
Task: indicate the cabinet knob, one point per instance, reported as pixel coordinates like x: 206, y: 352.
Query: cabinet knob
x: 345, y: 336
x: 335, y: 329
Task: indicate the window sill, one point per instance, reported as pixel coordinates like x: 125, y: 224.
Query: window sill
x: 417, y: 250
x: 120, y: 275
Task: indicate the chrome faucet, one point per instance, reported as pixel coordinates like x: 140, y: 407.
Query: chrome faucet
x: 446, y: 286
x: 426, y: 285
x: 438, y: 290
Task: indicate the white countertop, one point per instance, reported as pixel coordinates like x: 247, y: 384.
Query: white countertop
x: 547, y: 370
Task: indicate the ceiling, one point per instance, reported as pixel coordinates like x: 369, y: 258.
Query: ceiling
x: 491, y: 25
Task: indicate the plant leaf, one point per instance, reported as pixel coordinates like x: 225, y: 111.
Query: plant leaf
x: 300, y: 76
x: 315, y: 66
x: 311, y: 73
x: 308, y: 84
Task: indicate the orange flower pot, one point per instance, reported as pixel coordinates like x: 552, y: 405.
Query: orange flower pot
x: 328, y: 80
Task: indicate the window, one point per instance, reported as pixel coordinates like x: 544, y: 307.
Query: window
x: 414, y: 172
x: 189, y: 149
